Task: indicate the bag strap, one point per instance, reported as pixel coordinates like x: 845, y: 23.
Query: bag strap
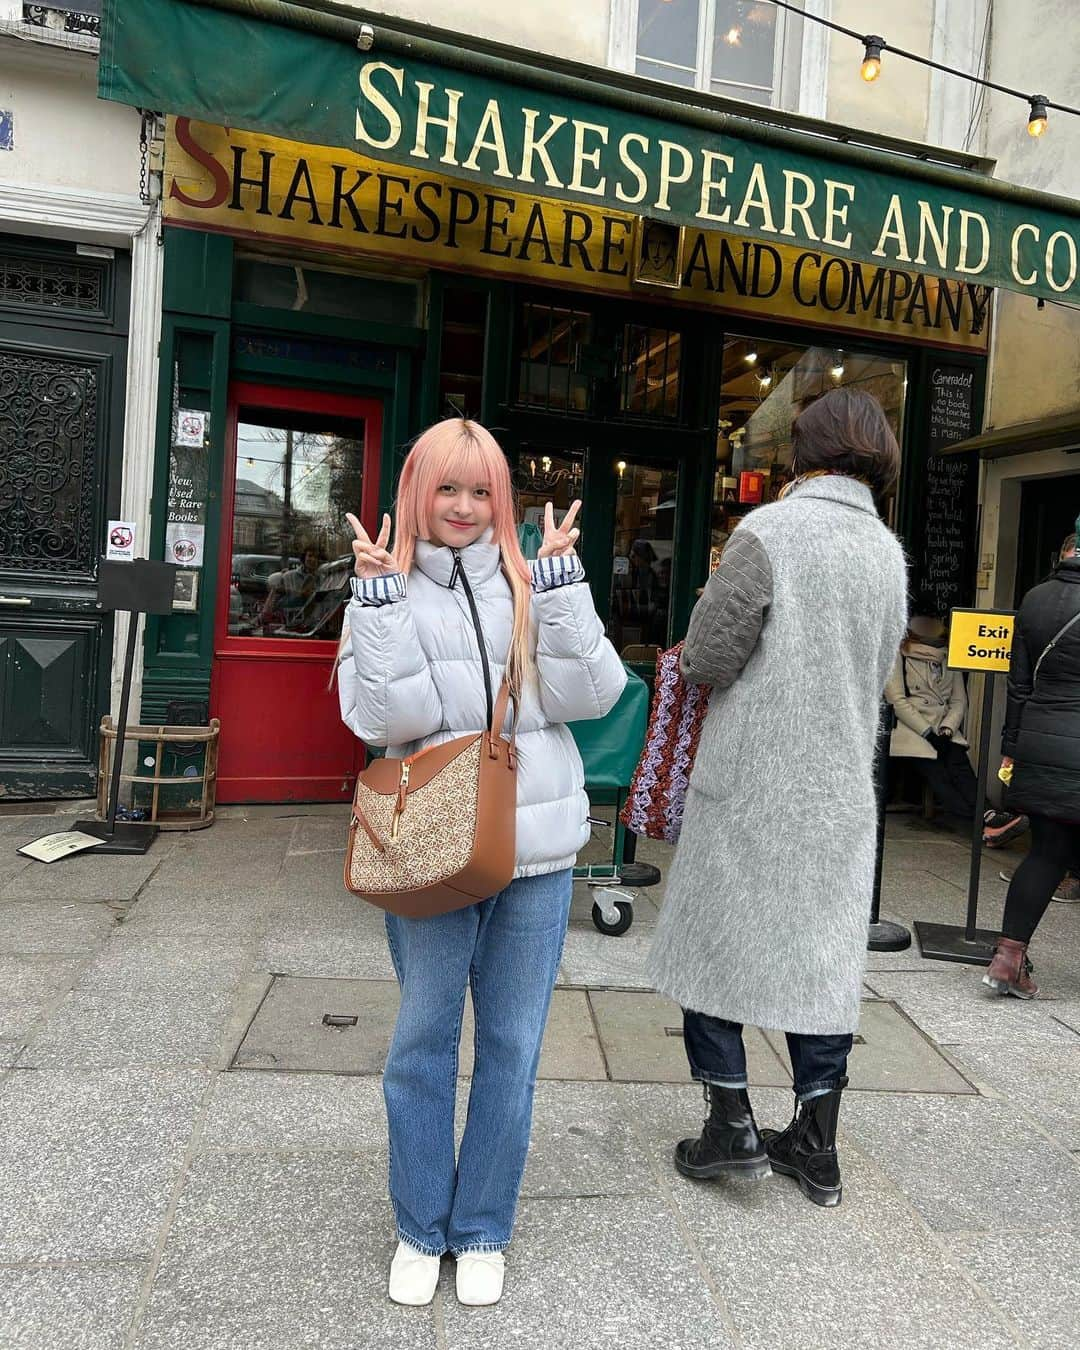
x: 498, y: 717
x: 1053, y: 643
x: 369, y: 829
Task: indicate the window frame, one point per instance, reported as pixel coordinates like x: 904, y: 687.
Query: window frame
x: 787, y: 83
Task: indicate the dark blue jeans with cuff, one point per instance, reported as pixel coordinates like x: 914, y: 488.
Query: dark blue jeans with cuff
x: 717, y: 1055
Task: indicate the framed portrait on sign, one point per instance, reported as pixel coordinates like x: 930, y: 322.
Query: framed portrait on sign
x: 658, y: 251
x: 186, y: 589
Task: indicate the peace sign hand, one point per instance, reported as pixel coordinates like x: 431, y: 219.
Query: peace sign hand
x: 372, y: 559
x: 559, y: 540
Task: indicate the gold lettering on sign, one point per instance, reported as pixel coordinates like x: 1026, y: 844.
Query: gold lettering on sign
x: 257, y: 186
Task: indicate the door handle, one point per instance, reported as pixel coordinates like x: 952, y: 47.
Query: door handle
x: 15, y: 600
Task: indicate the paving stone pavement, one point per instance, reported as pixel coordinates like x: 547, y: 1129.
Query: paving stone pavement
x: 191, y: 1158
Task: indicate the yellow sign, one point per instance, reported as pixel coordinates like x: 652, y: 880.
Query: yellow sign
x: 981, y: 639
x: 259, y: 187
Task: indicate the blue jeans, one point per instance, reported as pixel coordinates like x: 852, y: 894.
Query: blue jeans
x: 507, y: 950
x: 717, y: 1055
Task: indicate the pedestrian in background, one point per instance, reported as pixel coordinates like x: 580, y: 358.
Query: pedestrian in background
x: 768, y: 898
x: 432, y: 629
x: 1041, y: 745
x: 930, y: 703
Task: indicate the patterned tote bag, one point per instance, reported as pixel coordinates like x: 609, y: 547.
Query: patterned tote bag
x: 657, y: 797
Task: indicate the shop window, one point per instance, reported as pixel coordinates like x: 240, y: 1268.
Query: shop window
x: 461, y: 369
x: 312, y: 290
x: 543, y: 475
x: 643, y: 551
x: 649, y: 375
x: 296, y: 476
x: 728, y: 47
x: 766, y: 385
x: 555, y: 344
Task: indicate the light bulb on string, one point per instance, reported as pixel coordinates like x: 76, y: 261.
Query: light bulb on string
x: 837, y: 369
x: 873, y: 46
x: 1038, y: 117
x: 765, y: 378
x: 751, y: 358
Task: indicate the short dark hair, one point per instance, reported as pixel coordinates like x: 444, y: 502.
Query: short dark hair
x: 1068, y: 545
x: 846, y: 431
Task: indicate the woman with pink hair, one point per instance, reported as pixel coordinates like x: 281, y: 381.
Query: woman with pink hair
x: 432, y: 629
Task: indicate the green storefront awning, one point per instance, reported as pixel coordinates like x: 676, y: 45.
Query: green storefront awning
x: 1060, y: 432
x: 301, y: 73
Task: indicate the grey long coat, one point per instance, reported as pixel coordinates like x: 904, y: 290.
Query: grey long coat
x: 768, y: 898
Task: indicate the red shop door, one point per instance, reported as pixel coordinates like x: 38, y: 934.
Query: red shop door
x: 297, y: 461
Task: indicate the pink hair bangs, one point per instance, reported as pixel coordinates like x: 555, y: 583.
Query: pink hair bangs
x: 456, y: 451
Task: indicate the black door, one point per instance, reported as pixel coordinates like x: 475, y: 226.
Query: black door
x: 63, y: 324
x: 1048, y: 511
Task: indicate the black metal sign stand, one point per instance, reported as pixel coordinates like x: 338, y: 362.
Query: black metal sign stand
x: 969, y: 945
x: 140, y: 587
x: 884, y: 936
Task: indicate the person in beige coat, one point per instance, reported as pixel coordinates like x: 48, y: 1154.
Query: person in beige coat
x: 930, y: 703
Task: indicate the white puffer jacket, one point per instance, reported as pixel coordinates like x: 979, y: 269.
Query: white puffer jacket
x: 414, y: 678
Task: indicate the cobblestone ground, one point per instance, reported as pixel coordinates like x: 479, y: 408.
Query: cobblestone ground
x: 190, y: 1158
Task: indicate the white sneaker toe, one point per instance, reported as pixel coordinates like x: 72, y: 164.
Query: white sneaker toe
x: 413, y: 1276
x: 480, y: 1278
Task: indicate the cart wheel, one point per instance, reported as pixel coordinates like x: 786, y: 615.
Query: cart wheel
x: 622, y: 923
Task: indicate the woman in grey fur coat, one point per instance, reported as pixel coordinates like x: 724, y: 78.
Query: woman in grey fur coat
x: 768, y: 899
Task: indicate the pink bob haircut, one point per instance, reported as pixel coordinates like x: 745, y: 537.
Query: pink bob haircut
x: 460, y: 451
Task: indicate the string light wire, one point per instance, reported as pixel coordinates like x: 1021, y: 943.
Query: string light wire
x: 866, y: 38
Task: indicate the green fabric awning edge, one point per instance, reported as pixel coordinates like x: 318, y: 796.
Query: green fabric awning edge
x: 345, y: 26
x: 1061, y: 432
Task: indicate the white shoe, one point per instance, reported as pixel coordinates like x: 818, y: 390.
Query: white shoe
x: 480, y: 1278
x: 413, y: 1276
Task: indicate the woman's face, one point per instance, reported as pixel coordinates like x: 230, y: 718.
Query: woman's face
x: 460, y: 513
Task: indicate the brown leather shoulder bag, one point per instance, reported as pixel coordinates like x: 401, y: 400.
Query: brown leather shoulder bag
x: 436, y: 831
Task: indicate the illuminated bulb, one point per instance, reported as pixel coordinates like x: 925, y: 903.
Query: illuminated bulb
x: 765, y: 379
x: 1038, y: 117
x: 546, y: 462
x: 750, y: 358
x: 837, y: 370
x: 733, y: 37
x: 621, y: 466
x: 871, y: 66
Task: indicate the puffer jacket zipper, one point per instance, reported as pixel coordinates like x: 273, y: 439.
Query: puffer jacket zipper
x: 459, y: 571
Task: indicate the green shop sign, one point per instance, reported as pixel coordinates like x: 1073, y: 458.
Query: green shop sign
x: 532, y: 130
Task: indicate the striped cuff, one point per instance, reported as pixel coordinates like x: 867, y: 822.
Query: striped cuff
x: 547, y: 573
x: 384, y: 590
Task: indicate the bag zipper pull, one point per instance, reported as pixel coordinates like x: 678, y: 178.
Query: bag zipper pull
x: 399, y: 806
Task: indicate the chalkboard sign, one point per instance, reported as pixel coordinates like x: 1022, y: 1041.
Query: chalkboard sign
x: 952, y: 404
x: 949, y: 494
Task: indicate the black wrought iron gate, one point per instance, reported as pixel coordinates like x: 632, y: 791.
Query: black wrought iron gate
x: 63, y: 342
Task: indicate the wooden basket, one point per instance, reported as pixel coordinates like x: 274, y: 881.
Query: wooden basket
x: 200, y: 814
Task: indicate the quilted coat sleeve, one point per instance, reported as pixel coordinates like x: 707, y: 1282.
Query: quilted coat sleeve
x: 726, y: 622
x: 580, y: 674
x: 387, y: 694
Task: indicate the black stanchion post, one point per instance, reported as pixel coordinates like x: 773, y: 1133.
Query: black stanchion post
x: 139, y: 587
x: 121, y: 726
x: 884, y: 936
x: 969, y: 945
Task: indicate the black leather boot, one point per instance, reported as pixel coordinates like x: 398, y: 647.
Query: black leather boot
x: 806, y: 1150
x: 729, y: 1142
